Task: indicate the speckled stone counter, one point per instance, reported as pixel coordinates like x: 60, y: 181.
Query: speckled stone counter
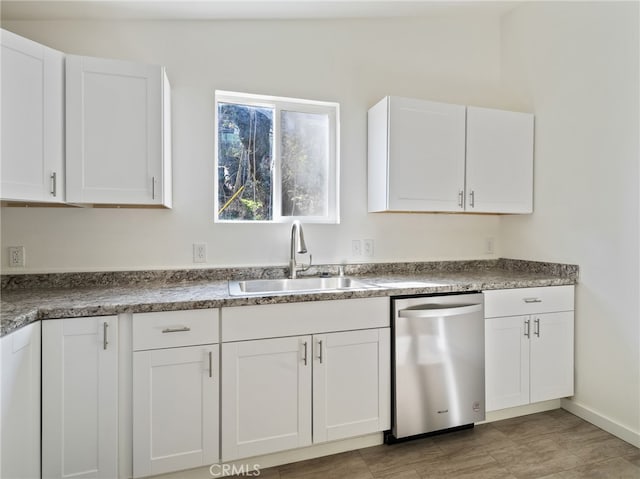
x: 28, y: 298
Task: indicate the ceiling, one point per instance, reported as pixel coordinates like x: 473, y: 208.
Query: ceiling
x: 242, y: 9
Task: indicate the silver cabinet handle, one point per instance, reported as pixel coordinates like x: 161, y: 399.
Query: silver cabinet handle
x: 461, y: 198
x: 183, y: 329
x: 320, y: 351
x: 105, y: 342
x: 153, y: 187
x: 527, y: 329
x: 210, y: 364
x: 305, y: 353
x: 532, y: 300
x: 536, y: 327
x: 472, y: 195
x: 54, y: 184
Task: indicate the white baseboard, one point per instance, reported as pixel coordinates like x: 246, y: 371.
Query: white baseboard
x: 248, y: 465
x: 521, y: 410
x: 603, y: 422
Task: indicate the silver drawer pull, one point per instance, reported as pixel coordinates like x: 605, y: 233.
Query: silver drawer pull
x: 176, y: 330
x: 54, y: 184
x: 105, y: 341
x: 532, y: 300
x: 305, y: 353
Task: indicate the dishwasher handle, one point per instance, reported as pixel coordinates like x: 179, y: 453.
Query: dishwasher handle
x: 439, y: 310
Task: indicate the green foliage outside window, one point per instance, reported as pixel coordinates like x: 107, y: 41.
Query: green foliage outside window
x: 276, y: 160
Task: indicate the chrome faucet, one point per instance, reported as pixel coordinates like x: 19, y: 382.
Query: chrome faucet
x: 297, y: 246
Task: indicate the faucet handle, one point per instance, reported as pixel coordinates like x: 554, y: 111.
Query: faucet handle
x: 340, y: 270
x: 304, y: 268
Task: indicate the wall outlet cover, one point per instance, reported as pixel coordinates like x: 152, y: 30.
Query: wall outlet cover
x: 16, y: 257
x: 199, y: 253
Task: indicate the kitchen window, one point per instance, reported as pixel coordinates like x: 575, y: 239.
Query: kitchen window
x: 276, y: 159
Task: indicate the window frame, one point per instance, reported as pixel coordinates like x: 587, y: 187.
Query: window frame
x: 278, y: 104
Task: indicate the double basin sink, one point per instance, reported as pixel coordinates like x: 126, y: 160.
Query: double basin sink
x: 283, y: 286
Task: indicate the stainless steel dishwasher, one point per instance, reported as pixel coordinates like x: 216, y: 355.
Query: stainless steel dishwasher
x: 438, y: 363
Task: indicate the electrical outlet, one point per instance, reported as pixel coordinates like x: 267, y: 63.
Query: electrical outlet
x: 199, y: 253
x: 367, y: 247
x: 489, y: 245
x: 16, y: 256
x: 356, y: 248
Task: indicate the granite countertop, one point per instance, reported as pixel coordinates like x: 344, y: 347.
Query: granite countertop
x: 28, y: 298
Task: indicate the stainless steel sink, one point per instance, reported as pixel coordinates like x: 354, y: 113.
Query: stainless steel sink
x: 274, y: 286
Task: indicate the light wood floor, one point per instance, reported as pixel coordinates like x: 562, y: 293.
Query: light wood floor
x: 550, y: 445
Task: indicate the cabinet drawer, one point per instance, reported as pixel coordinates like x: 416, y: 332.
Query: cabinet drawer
x: 294, y: 319
x: 523, y: 301
x: 172, y: 329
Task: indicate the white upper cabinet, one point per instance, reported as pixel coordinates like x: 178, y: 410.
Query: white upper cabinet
x: 416, y: 155
x: 32, y: 162
x: 118, y: 132
x: 426, y: 156
x: 499, y: 161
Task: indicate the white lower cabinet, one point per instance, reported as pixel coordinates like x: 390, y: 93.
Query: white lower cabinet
x: 528, y: 356
x: 20, y: 403
x: 80, y: 398
x: 289, y: 392
x: 551, y: 353
x: 176, y: 386
x: 350, y: 383
x: 266, y: 396
x: 506, y: 362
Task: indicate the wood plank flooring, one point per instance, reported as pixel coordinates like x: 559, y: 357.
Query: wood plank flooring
x: 549, y: 445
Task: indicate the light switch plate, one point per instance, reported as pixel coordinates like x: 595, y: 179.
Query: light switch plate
x: 356, y: 247
x: 367, y: 247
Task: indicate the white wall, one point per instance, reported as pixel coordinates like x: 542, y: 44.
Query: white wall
x: 576, y: 66
x: 354, y: 62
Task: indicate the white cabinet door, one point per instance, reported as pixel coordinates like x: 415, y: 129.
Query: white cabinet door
x: 499, y: 161
x: 20, y: 403
x: 266, y: 396
x: 351, y: 389
x: 32, y: 121
x: 175, y: 409
x: 506, y: 362
x: 80, y: 398
x: 416, y: 156
x: 117, y: 132
x: 551, y: 356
